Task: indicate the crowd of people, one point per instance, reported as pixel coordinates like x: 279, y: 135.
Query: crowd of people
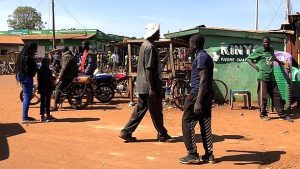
x: 197, y: 106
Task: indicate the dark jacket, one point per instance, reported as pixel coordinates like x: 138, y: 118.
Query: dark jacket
x: 90, y: 64
x: 45, y: 81
x: 69, y: 68
x: 56, y: 65
x: 29, y: 66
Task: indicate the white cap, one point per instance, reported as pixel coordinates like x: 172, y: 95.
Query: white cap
x: 151, y: 29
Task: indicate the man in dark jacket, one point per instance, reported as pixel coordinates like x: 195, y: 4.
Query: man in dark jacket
x: 88, y: 60
x: 67, y: 73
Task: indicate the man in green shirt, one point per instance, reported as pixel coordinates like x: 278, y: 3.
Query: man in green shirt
x: 267, y: 86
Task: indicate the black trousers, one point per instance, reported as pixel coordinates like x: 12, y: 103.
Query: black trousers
x: 61, y: 86
x: 45, y: 104
x: 270, y: 88
x: 155, y: 108
x: 189, y: 121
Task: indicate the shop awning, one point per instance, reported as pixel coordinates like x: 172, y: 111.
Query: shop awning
x: 59, y: 36
x: 11, y: 40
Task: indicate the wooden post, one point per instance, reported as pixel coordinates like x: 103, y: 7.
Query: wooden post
x: 172, y: 60
x: 130, y: 73
x: 53, y: 26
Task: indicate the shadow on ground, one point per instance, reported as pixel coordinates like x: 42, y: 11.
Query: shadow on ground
x: 8, y: 130
x: 252, y: 157
x: 216, y: 138
x: 76, y: 120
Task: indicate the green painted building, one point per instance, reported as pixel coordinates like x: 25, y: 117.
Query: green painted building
x: 229, y: 49
x: 71, y: 38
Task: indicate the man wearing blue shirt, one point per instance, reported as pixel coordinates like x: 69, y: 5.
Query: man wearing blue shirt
x: 197, y: 106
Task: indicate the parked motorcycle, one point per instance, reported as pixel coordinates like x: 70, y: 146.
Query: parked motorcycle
x: 77, y: 93
x: 121, y: 83
x: 103, y: 87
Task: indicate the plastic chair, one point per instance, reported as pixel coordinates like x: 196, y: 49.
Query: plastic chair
x: 245, y: 93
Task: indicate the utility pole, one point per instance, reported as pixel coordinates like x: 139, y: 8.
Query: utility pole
x: 287, y: 10
x: 256, y: 16
x: 53, y: 26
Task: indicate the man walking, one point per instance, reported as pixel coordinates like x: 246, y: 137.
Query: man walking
x: 264, y: 56
x: 149, y: 87
x: 197, y: 106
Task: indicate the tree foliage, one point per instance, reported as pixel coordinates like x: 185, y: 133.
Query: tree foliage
x: 25, y: 17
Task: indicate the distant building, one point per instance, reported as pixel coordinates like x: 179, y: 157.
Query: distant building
x: 9, y: 44
x: 72, y: 38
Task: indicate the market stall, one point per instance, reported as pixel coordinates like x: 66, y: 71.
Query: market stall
x: 166, y: 48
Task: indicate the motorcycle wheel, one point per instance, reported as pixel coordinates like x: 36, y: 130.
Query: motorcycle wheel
x: 104, y: 93
x: 80, y: 96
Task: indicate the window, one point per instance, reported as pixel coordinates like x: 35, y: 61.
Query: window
x: 3, y: 51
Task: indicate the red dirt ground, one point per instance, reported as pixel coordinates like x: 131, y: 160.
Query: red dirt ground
x: 88, y: 139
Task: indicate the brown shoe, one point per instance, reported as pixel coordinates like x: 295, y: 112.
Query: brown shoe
x: 127, y: 137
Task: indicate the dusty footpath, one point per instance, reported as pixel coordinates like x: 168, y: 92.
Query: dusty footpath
x: 88, y: 139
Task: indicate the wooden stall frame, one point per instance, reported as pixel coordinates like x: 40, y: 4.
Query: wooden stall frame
x: 166, y: 43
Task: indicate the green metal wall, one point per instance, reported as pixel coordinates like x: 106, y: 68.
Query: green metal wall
x: 236, y: 73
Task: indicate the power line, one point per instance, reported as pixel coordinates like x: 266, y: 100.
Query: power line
x: 291, y: 6
x: 270, y: 5
x: 65, y: 8
x: 38, y: 4
x: 275, y: 14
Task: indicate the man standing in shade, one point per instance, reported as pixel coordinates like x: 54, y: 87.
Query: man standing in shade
x: 267, y: 86
x: 197, y: 106
x: 149, y: 87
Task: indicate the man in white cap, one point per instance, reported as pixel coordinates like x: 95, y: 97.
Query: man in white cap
x: 149, y: 87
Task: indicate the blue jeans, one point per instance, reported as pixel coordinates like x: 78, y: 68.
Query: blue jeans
x: 27, y: 86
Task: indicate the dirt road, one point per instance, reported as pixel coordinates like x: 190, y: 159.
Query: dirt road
x: 87, y: 139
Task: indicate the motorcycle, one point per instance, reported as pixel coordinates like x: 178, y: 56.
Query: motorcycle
x: 103, y: 87
x: 121, y: 83
x: 77, y: 93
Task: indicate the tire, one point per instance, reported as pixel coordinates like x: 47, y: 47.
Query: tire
x: 180, y: 90
x: 35, y: 99
x: 220, y: 92
x: 80, y: 97
x: 104, y: 93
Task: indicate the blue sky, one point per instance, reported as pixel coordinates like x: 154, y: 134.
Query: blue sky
x: 130, y: 17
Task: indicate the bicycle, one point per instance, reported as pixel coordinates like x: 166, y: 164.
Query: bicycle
x: 35, y: 98
x: 181, y: 89
x: 177, y: 89
x: 6, y: 68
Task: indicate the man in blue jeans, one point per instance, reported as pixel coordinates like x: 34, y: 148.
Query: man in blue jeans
x: 26, y: 69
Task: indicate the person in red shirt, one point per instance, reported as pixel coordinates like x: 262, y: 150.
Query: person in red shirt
x: 88, y: 60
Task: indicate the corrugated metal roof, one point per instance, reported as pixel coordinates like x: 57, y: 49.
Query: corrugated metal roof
x: 11, y: 40
x: 212, y: 31
x: 59, y: 36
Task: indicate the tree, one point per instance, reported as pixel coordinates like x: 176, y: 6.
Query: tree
x: 25, y: 17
